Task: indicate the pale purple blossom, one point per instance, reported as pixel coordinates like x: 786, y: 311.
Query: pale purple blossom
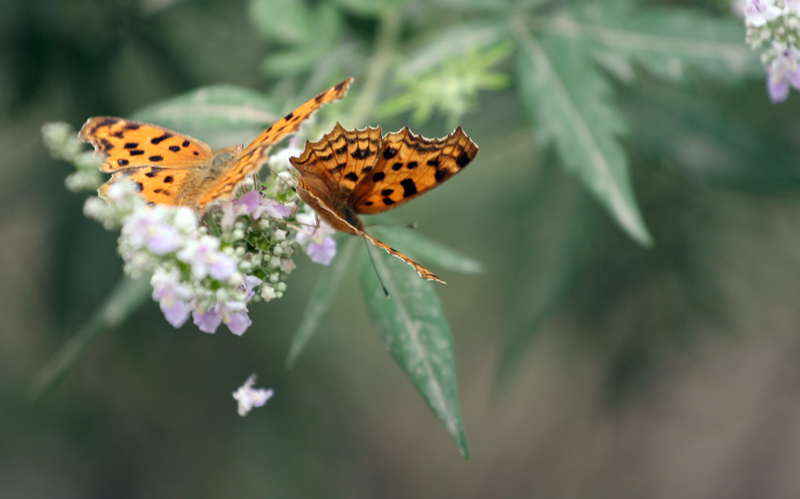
x: 172, y: 295
x: 148, y: 228
x: 205, y: 259
x: 207, y: 322
x: 315, y: 235
x: 782, y: 72
x: 322, y: 252
x: 760, y: 12
x: 255, y: 204
x: 232, y: 313
x: 249, y: 397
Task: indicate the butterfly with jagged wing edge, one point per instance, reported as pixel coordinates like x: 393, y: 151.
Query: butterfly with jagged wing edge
x: 351, y: 172
x: 167, y: 167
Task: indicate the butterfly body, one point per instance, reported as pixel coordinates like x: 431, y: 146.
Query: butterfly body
x: 167, y: 167
x: 352, y: 172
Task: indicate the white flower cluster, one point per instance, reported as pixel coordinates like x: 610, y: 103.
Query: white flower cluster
x: 212, y: 270
x: 773, y: 26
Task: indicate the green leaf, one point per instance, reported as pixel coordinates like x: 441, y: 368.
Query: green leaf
x: 371, y: 8
x: 452, y: 42
x: 496, y: 6
x: 290, y: 62
x: 708, y: 145
x: 421, y: 247
x: 666, y: 42
x: 415, y: 330
x: 568, y: 101
x: 224, y: 112
x: 285, y: 21
x: 126, y: 297
x: 322, y: 298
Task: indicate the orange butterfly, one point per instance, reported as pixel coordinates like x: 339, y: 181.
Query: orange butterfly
x: 169, y: 168
x: 352, y: 172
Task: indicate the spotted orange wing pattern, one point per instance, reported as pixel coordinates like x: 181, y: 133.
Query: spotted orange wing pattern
x: 170, y: 168
x: 352, y: 172
x: 157, y: 160
x: 255, y: 154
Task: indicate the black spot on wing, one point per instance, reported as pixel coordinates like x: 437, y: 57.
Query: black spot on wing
x: 185, y: 143
x: 156, y: 158
x: 168, y: 179
x: 387, y: 192
x: 131, y: 145
x: 412, y: 164
x: 132, y: 126
x: 160, y: 138
x: 409, y: 187
x: 341, y: 150
x: 463, y: 159
x: 122, y: 162
x: 150, y: 174
x: 174, y: 148
x: 136, y: 152
x: 434, y: 162
x: 289, y: 116
x: 397, y: 166
x: 362, y: 153
x: 105, y: 122
x: 378, y: 176
x: 137, y: 186
x: 387, y: 201
x: 441, y: 175
x: 389, y: 153
x: 351, y: 176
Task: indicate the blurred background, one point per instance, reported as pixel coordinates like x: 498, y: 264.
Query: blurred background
x: 589, y: 365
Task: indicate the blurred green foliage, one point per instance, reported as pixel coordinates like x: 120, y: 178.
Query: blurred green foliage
x: 633, y: 204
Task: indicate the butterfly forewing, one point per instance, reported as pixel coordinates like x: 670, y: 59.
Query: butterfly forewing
x: 255, y: 154
x: 409, y: 165
x: 129, y: 144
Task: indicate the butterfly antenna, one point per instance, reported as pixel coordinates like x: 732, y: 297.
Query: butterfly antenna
x: 375, y: 267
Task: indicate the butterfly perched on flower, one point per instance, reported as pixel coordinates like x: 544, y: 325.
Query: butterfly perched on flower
x: 167, y: 167
x: 351, y: 172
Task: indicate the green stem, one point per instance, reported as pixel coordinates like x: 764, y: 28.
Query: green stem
x: 127, y: 296
x: 385, y: 47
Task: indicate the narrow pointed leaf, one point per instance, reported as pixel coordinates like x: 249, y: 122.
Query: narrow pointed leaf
x: 568, y: 100
x: 416, y: 332
x: 322, y: 298
x: 665, y: 41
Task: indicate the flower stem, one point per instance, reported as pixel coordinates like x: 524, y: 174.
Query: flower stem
x: 385, y: 47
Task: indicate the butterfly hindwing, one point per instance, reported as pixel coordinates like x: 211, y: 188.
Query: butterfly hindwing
x: 155, y: 185
x: 351, y: 172
x: 410, y: 165
x: 336, y: 215
x: 255, y: 154
x: 130, y: 144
